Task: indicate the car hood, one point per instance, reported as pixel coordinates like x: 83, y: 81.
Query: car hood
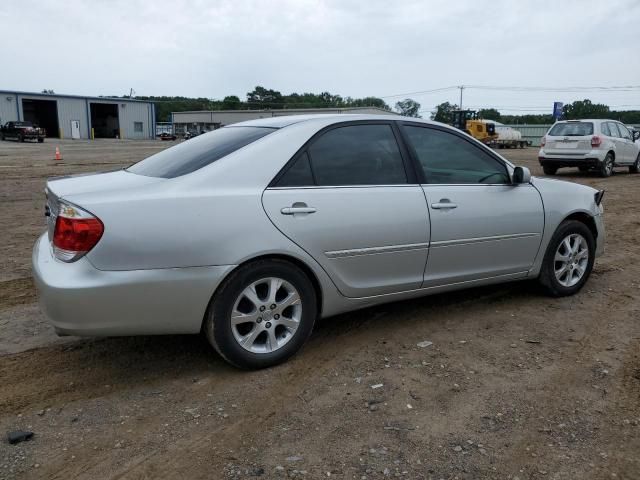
x: 552, y: 183
x: 100, y: 182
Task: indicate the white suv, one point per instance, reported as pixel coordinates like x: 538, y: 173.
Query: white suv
x: 589, y: 144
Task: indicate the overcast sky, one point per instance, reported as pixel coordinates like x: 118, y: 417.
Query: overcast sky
x: 347, y: 47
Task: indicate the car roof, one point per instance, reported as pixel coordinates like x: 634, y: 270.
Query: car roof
x: 589, y: 120
x: 286, y: 120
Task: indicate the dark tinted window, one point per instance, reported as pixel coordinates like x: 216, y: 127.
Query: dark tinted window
x: 571, y: 129
x: 198, y: 152
x: 357, y: 155
x: 298, y: 175
x: 446, y: 158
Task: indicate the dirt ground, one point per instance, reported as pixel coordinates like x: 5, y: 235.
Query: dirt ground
x: 514, y: 386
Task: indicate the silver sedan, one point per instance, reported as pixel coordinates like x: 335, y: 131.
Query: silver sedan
x: 253, y: 231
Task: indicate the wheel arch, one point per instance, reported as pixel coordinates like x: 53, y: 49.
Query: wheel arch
x: 585, y: 218
x: 308, y: 271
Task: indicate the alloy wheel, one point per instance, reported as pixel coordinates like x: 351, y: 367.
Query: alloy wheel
x: 571, y: 259
x: 266, y: 315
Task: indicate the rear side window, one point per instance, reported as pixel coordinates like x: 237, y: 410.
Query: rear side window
x: 357, y: 155
x: 604, y: 128
x: 299, y: 174
x: 613, y: 128
x: 198, y: 152
x: 571, y: 129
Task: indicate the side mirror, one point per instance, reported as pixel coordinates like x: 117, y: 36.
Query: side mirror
x: 521, y: 175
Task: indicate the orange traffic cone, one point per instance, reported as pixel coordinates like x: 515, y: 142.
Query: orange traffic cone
x: 58, y: 157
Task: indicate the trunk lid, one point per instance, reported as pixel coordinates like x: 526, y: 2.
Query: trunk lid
x: 59, y: 188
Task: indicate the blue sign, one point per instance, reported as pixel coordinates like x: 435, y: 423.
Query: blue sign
x: 557, y: 110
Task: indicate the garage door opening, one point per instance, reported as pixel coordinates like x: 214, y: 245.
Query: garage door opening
x: 104, y: 120
x: 43, y: 113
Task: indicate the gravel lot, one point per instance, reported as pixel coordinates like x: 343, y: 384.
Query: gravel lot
x: 515, y: 385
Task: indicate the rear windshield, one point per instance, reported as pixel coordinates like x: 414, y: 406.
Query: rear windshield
x: 198, y: 152
x: 572, y: 129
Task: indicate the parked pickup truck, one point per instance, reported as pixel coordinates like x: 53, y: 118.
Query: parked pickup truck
x: 22, y: 131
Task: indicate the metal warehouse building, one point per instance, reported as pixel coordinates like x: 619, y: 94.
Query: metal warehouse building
x: 198, y: 121
x: 72, y: 116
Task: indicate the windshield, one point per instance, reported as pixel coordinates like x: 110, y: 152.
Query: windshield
x: 571, y: 129
x: 22, y: 124
x: 198, y: 152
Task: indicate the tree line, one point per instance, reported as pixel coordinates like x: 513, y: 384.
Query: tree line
x: 261, y: 98
x: 572, y: 111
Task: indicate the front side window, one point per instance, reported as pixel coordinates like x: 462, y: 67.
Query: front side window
x: 446, y: 158
x: 198, y: 152
x: 624, y: 132
x: 357, y: 155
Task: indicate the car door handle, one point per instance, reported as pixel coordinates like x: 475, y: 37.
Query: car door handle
x: 443, y: 204
x: 294, y: 210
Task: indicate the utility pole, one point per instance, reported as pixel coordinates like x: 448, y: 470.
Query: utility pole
x: 461, y: 87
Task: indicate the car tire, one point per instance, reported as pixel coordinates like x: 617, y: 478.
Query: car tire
x: 277, y: 327
x: 41, y: 140
x: 20, y: 138
x: 549, y: 170
x: 606, y: 167
x: 635, y: 168
x: 557, y: 277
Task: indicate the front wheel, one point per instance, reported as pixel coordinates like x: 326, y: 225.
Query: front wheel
x: 606, y: 167
x: 569, y: 259
x: 549, y: 170
x: 635, y: 168
x: 262, y: 314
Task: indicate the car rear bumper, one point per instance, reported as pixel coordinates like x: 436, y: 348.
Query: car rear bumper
x: 554, y: 158
x: 81, y: 300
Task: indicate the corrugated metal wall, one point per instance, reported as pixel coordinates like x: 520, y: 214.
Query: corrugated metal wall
x: 78, y: 108
x: 533, y: 133
x: 8, y: 107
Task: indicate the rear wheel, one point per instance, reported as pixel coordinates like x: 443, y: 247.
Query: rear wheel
x: 635, y: 168
x: 569, y: 259
x: 606, y: 167
x: 549, y: 170
x: 262, y: 314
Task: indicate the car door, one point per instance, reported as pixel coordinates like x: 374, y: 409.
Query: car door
x: 481, y: 225
x: 351, y: 201
x: 618, y: 142
x: 626, y: 143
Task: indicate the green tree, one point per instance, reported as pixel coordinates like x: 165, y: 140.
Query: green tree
x: 585, y: 109
x: 261, y: 97
x: 489, y: 114
x: 442, y: 113
x: 231, y: 102
x: 408, y: 108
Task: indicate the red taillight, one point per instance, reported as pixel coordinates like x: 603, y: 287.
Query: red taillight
x: 76, y: 232
x: 596, y: 141
x: 543, y: 141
